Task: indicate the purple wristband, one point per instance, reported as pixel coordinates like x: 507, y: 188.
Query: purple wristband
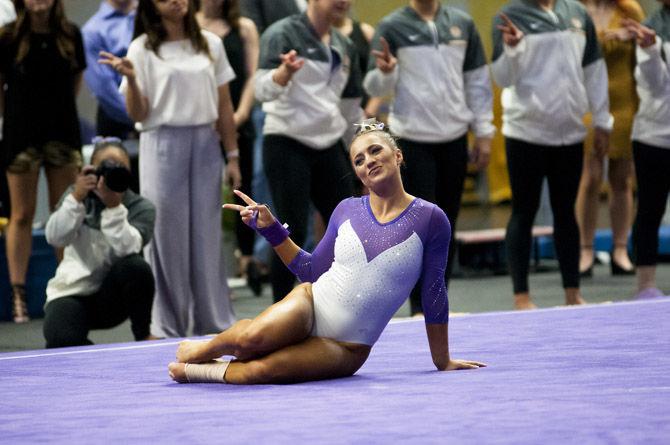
x: 275, y: 233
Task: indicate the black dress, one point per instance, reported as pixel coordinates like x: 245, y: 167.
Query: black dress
x: 40, y: 102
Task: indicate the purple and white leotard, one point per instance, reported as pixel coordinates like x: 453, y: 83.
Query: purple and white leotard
x: 362, y: 271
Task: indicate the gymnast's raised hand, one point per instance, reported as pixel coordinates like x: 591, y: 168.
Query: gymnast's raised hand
x: 256, y: 216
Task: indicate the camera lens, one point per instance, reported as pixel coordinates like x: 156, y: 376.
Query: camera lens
x: 117, y: 176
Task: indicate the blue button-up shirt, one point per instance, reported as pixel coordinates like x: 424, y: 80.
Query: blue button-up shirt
x: 112, y: 31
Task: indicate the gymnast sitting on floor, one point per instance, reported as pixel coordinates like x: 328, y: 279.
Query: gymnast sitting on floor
x: 376, y: 248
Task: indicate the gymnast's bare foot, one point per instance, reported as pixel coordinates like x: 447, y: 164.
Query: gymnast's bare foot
x: 193, y: 352
x: 573, y: 297
x: 177, y: 372
x: 522, y: 302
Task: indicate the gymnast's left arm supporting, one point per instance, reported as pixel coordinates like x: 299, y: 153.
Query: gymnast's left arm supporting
x: 434, y: 297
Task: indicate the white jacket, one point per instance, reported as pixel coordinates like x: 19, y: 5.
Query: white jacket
x: 553, y: 77
x: 441, y: 83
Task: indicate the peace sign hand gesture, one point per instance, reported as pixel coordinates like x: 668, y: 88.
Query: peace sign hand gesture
x: 290, y: 64
x: 386, y: 62
x: 510, y: 33
x: 122, y: 65
x: 645, y: 36
x: 256, y: 216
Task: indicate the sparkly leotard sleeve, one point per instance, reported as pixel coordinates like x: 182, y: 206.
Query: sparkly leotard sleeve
x: 363, y: 270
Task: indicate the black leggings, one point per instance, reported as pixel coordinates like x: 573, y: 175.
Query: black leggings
x: 652, y: 167
x: 297, y: 174
x: 436, y: 172
x: 127, y: 291
x: 245, y: 142
x: 528, y: 165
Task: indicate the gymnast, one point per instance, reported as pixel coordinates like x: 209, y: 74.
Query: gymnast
x: 376, y: 248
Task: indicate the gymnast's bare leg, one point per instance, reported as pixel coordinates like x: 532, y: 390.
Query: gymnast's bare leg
x: 275, y: 347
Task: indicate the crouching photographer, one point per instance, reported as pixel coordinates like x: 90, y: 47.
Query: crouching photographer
x: 103, y: 279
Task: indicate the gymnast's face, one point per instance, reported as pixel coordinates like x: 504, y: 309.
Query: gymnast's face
x: 375, y: 161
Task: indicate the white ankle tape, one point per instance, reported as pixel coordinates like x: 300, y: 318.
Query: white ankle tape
x: 207, y: 372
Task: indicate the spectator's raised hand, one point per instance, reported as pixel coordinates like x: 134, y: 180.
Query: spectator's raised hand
x: 386, y: 62
x: 122, y: 65
x: 510, y: 33
x: 644, y: 36
x: 290, y: 63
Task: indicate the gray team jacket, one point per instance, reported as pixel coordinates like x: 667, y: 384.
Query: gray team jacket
x: 553, y: 76
x: 322, y: 100
x: 652, y: 121
x: 441, y: 84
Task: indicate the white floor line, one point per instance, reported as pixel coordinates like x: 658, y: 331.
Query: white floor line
x: 546, y: 309
x: 86, y: 351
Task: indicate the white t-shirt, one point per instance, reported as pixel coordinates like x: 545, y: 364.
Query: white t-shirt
x: 180, y: 84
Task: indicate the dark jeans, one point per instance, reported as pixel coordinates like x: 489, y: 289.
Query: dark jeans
x: 652, y: 167
x: 127, y: 291
x: 298, y: 174
x: 436, y: 172
x: 528, y: 164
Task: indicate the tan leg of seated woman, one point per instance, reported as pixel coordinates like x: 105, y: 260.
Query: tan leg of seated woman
x: 314, y: 358
x: 286, y: 322
x: 279, y: 338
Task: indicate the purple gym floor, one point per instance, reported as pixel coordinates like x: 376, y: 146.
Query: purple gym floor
x: 597, y: 374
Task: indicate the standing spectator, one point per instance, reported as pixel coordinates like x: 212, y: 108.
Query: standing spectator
x: 618, y: 48
x: 431, y: 57
x: 240, y: 40
x: 176, y: 85
x: 111, y: 30
x: 651, y: 142
x: 41, y: 61
x: 547, y: 59
x: 265, y: 12
x: 102, y: 279
x: 308, y: 79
